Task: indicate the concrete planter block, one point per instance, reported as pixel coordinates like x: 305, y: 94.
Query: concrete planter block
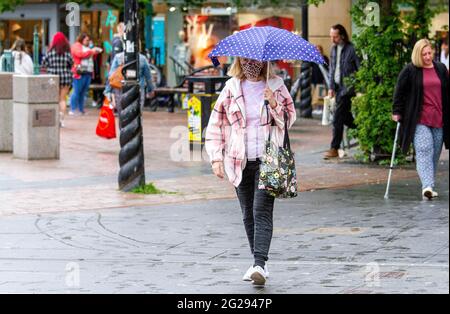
x: 35, y: 117
x: 6, y: 112
x: 36, y: 89
x: 6, y: 85
x: 6, y: 125
x: 33, y: 141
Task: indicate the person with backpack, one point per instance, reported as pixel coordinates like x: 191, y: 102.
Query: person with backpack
x: 113, y: 88
x: 22, y: 60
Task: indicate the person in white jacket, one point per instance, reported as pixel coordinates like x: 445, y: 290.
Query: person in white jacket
x: 22, y: 60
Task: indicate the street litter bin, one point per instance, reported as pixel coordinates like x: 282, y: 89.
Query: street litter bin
x: 200, y: 105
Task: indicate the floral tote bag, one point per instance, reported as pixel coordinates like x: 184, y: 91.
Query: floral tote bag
x: 277, y: 171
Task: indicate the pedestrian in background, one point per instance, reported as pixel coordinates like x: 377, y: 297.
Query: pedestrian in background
x: 83, y: 69
x: 145, y: 81
x: 343, y: 63
x: 444, y: 52
x: 317, y: 75
x: 117, y: 42
x: 235, y: 138
x: 59, y: 61
x: 421, y: 106
x: 23, y: 64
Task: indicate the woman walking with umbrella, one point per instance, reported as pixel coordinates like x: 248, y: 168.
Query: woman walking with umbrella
x: 252, y: 102
x: 421, y: 107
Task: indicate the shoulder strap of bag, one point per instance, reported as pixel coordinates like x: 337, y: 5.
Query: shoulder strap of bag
x: 286, y: 142
x: 266, y: 103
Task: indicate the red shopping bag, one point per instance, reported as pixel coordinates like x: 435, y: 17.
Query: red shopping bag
x: 106, y: 126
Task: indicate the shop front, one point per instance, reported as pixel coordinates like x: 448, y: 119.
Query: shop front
x: 47, y: 17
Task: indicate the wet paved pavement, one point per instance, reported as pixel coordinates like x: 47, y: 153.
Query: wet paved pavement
x: 89, y: 165
x: 330, y: 241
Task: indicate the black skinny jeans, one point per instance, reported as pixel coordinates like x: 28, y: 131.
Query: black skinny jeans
x: 257, y: 211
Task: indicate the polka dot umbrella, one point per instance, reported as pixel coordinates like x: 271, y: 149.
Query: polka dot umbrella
x: 266, y: 44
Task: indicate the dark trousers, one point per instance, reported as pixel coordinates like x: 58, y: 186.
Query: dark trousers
x: 342, y: 116
x: 257, y: 211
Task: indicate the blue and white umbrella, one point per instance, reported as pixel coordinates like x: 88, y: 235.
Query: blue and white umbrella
x: 266, y: 44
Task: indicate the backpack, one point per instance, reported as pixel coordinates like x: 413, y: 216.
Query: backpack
x: 115, y: 80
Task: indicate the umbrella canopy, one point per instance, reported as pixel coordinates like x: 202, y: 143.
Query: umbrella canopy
x: 266, y: 44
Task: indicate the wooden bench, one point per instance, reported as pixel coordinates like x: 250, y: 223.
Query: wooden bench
x: 170, y: 90
x: 97, y: 86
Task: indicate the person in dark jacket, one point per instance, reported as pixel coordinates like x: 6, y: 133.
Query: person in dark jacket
x: 421, y: 106
x: 344, y: 62
x: 317, y: 77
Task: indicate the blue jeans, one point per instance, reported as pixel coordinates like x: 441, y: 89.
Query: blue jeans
x: 428, y: 145
x: 80, y: 88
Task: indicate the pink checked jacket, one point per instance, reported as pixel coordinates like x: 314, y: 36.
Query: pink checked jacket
x: 225, y: 134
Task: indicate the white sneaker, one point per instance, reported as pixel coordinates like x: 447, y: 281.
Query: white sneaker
x: 258, y: 276
x: 71, y: 113
x: 427, y: 193
x: 434, y: 194
x: 247, y: 276
x: 248, y: 273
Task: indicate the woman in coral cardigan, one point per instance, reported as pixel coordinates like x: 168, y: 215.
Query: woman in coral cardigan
x: 82, y: 71
x: 237, y: 130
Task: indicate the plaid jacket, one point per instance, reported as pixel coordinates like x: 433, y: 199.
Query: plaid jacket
x: 225, y: 134
x: 59, y: 64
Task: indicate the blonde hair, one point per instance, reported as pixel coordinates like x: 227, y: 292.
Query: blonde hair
x: 120, y: 27
x: 236, y: 70
x: 416, y: 56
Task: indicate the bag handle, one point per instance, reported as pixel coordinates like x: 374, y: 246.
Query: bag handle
x: 286, y: 142
x: 266, y: 103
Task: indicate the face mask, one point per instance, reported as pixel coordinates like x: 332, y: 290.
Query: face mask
x: 252, y: 70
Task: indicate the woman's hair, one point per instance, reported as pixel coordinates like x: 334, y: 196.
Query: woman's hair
x: 60, y: 44
x: 320, y: 48
x: 236, y: 70
x: 342, y: 32
x: 416, y: 56
x: 81, y: 37
x: 20, y: 46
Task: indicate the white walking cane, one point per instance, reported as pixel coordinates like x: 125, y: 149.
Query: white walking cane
x: 386, y: 195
